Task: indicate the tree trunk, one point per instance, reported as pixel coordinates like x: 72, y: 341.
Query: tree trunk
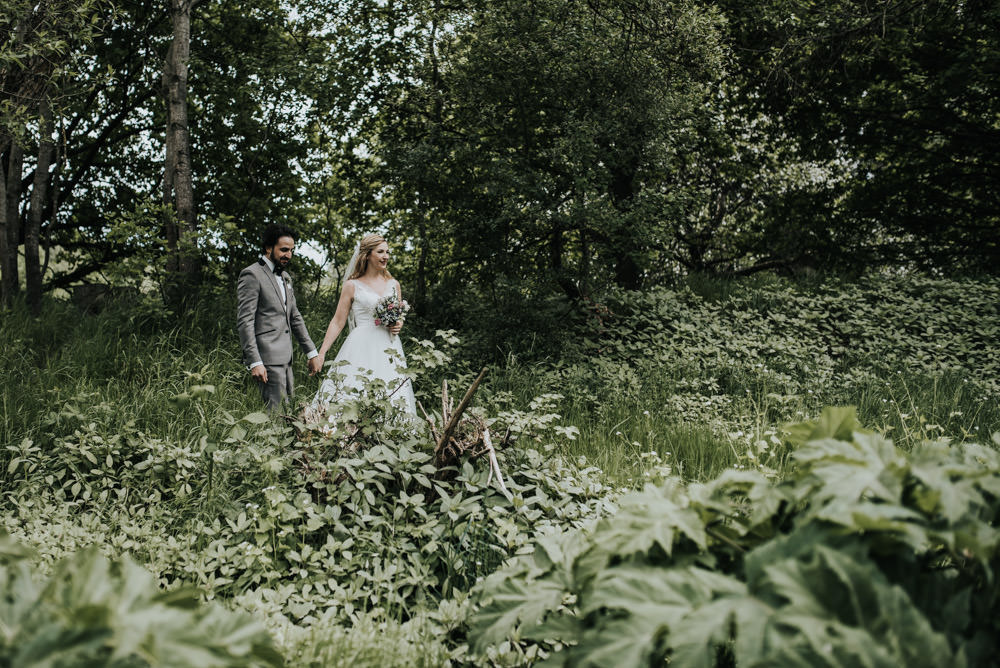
x: 557, y: 245
x: 12, y: 223
x: 5, y: 272
x: 178, y: 187
x: 420, y: 296
x: 39, y: 189
x: 170, y: 231
x: 623, y: 190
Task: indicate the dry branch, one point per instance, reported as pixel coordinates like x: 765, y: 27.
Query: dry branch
x: 452, y: 422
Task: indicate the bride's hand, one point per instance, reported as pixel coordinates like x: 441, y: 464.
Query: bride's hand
x: 315, y: 365
x: 395, y: 328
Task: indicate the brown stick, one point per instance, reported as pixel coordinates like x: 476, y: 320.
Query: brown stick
x: 462, y: 405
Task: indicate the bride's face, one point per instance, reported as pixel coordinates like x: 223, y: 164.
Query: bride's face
x: 379, y: 257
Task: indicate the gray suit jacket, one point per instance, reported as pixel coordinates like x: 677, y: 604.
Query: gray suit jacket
x: 264, y: 321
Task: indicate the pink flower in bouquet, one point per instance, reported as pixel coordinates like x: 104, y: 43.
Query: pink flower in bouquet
x: 390, y: 310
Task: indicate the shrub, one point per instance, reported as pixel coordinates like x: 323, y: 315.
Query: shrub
x: 90, y: 611
x: 863, y: 555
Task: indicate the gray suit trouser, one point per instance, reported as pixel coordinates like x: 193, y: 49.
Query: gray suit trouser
x: 280, y: 384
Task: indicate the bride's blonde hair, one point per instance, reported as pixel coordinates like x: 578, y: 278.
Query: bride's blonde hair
x: 368, y: 243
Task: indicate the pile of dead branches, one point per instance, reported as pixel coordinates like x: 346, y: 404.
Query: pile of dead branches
x: 464, y: 436
x: 460, y: 435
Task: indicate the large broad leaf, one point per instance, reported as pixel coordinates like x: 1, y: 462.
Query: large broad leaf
x: 869, y: 467
x: 906, y: 525
x: 92, y: 608
x: 838, y: 422
x: 523, y: 594
x: 826, y: 609
x: 515, y: 603
x: 695, y: 639
x: 836, y: 605
x: 634, y: 608
x: 653, y: 517
x: 951, y: 482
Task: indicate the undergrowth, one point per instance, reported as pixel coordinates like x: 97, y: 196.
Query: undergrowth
x: 128, y: 431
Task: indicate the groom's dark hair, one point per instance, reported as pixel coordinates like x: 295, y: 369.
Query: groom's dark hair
x: 275, y: 232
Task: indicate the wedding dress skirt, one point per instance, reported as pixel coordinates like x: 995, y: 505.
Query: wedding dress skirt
x: 370, y: 353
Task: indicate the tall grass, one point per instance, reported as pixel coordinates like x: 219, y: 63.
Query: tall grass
x: 708, y: 375
x: 128, y: 369
x: 697, y: 413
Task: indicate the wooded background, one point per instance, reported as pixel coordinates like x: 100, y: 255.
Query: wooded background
x: 551, y: 147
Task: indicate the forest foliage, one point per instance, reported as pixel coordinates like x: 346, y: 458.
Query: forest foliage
x: 862, y: 555
x: 550, y: 147
x: 678, y: 231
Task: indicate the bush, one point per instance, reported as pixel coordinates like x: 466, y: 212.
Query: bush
x: 90, y: 611
x: 863, y: 555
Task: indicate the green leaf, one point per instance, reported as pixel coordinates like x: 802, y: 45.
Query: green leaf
x: 514, y: 604
x: 655, y: 600
x: 833, y: 423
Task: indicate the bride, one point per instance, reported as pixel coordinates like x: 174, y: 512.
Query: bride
x: 370, y: 351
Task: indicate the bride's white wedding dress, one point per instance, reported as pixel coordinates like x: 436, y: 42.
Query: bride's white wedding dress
x: 368, y: 353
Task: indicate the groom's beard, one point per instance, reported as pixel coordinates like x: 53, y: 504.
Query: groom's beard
x: 279, y: 263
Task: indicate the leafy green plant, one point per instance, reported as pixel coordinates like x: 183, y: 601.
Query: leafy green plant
x: 705, y: 378
x: 863, y: 555
x: 91, y: 611
x: 124, y: 446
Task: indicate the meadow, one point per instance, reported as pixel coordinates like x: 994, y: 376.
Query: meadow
x: 139, y: 475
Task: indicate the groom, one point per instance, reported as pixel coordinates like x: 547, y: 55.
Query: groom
x: 265, y: 315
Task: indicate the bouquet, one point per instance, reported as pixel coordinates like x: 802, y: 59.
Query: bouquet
x: 390, y: 309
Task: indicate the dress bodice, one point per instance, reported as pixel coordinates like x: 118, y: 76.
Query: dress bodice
x: 363, y: 306
x: 370, y: 353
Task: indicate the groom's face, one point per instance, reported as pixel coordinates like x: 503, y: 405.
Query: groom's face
x: 281, y: 252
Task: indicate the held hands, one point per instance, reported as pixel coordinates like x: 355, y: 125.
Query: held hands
x: 316, y: 364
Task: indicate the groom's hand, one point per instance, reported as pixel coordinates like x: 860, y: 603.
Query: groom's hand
x: 259, y: 373
x: 315, y: 365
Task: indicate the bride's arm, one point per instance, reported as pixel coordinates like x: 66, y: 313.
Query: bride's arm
x: 339, y: 318
x: 399, y: 295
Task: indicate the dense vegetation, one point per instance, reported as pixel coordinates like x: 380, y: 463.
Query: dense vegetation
x: 671, y: 229
x: 142, y: 438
